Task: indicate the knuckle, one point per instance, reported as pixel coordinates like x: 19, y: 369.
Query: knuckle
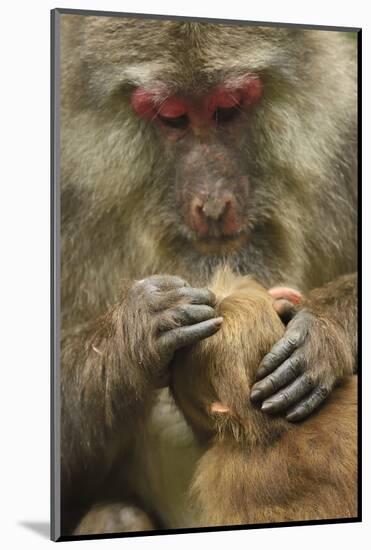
x: 178, y: 281
x: 303, y: 361
x: 188, y: 294
x: 163, y: 324
x: 212, y: 296
x: 283, y: 396
x: 151, y: 304
x: 309, y: 380
x: 154, y: 303
x: 271, y: 382
x: 268, y: 359
x: 295, y: 365
x: 208, y: 310
x: 138, y: 286
x: 322, y: 391
x: 305, y: 409
x: 284, y: 351
x: 205, y: 313
x: 292, y: 338
x: 181, y: 313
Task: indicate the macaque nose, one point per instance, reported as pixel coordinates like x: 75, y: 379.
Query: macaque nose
x: 215, y: 216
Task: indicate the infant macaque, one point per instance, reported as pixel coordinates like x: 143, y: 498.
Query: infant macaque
x: 259, y: 468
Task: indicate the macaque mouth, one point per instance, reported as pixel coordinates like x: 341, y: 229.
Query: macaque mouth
x: 220, y: 245
x: 178, y: 112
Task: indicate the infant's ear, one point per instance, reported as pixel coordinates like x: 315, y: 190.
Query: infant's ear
x: 286, y: 301
x: 218, y: 407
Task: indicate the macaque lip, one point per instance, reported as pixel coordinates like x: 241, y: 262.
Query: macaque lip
x: 220, y: 245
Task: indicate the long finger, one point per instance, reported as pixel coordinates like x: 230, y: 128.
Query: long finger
x: 185, y: 336
x: 163, y: 282
x: 190, y: 295
x: 187, y: 314
x: 288, y: 396
x: 308, y: 405
x: 280, y: 377
x: 279, y: 353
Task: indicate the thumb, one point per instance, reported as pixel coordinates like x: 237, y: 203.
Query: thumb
x: 285, y: 302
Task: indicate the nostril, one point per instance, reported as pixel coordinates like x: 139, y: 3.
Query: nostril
x: 198, y: 219
x: 214, y: 217
x: 230, y: 221
x: 199, y: 209
x: 214, y: 209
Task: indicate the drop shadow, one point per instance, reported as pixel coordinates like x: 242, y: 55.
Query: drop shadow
x: 42, y: 528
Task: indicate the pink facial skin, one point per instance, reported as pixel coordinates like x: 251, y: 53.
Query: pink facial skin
x: 152, y: 105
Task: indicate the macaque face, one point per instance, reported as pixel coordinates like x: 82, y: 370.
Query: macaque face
x: 205, y: 123
x: 212, y: 379
x: 204, y: 132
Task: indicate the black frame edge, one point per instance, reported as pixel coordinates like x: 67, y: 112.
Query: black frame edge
x: 55, y: 516
x: 73, y: 11
x: 359, y: 273
x: 209, y: 529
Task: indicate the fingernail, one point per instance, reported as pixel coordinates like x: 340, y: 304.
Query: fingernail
x: 255, y: 395
x: 218, y: 320
x: 293, y: 416
x: 267, y: 406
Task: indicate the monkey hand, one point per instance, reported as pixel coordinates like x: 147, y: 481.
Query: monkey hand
x: 163, y: 313
x: 303, y: 367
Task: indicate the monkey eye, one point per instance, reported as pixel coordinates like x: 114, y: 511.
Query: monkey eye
x: 180, y: 122
x: 225, y: 114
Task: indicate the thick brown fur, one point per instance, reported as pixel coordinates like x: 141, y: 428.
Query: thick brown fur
x: 222, y: 368
x: 258, y: 470
x: 124, y: 191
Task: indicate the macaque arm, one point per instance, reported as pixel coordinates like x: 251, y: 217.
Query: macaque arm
x: 97, y: 399
x: 111, y: 366
x: 319, y: 348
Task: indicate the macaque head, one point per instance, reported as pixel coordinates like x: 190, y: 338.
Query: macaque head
x: 212, y: 380
x: 214, y: 135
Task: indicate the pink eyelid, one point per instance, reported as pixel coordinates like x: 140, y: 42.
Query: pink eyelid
x: 148, y: 104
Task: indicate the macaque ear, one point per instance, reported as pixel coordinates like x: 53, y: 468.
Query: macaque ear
x: 218, y: 407
x: 285, y: 302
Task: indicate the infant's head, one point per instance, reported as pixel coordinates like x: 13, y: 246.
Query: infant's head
x: 212, y: 379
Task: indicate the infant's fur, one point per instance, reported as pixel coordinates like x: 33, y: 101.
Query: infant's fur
x: 261, y: 469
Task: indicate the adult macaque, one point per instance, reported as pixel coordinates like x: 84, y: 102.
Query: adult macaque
x: 260, y: 470
x: 185, y: 145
